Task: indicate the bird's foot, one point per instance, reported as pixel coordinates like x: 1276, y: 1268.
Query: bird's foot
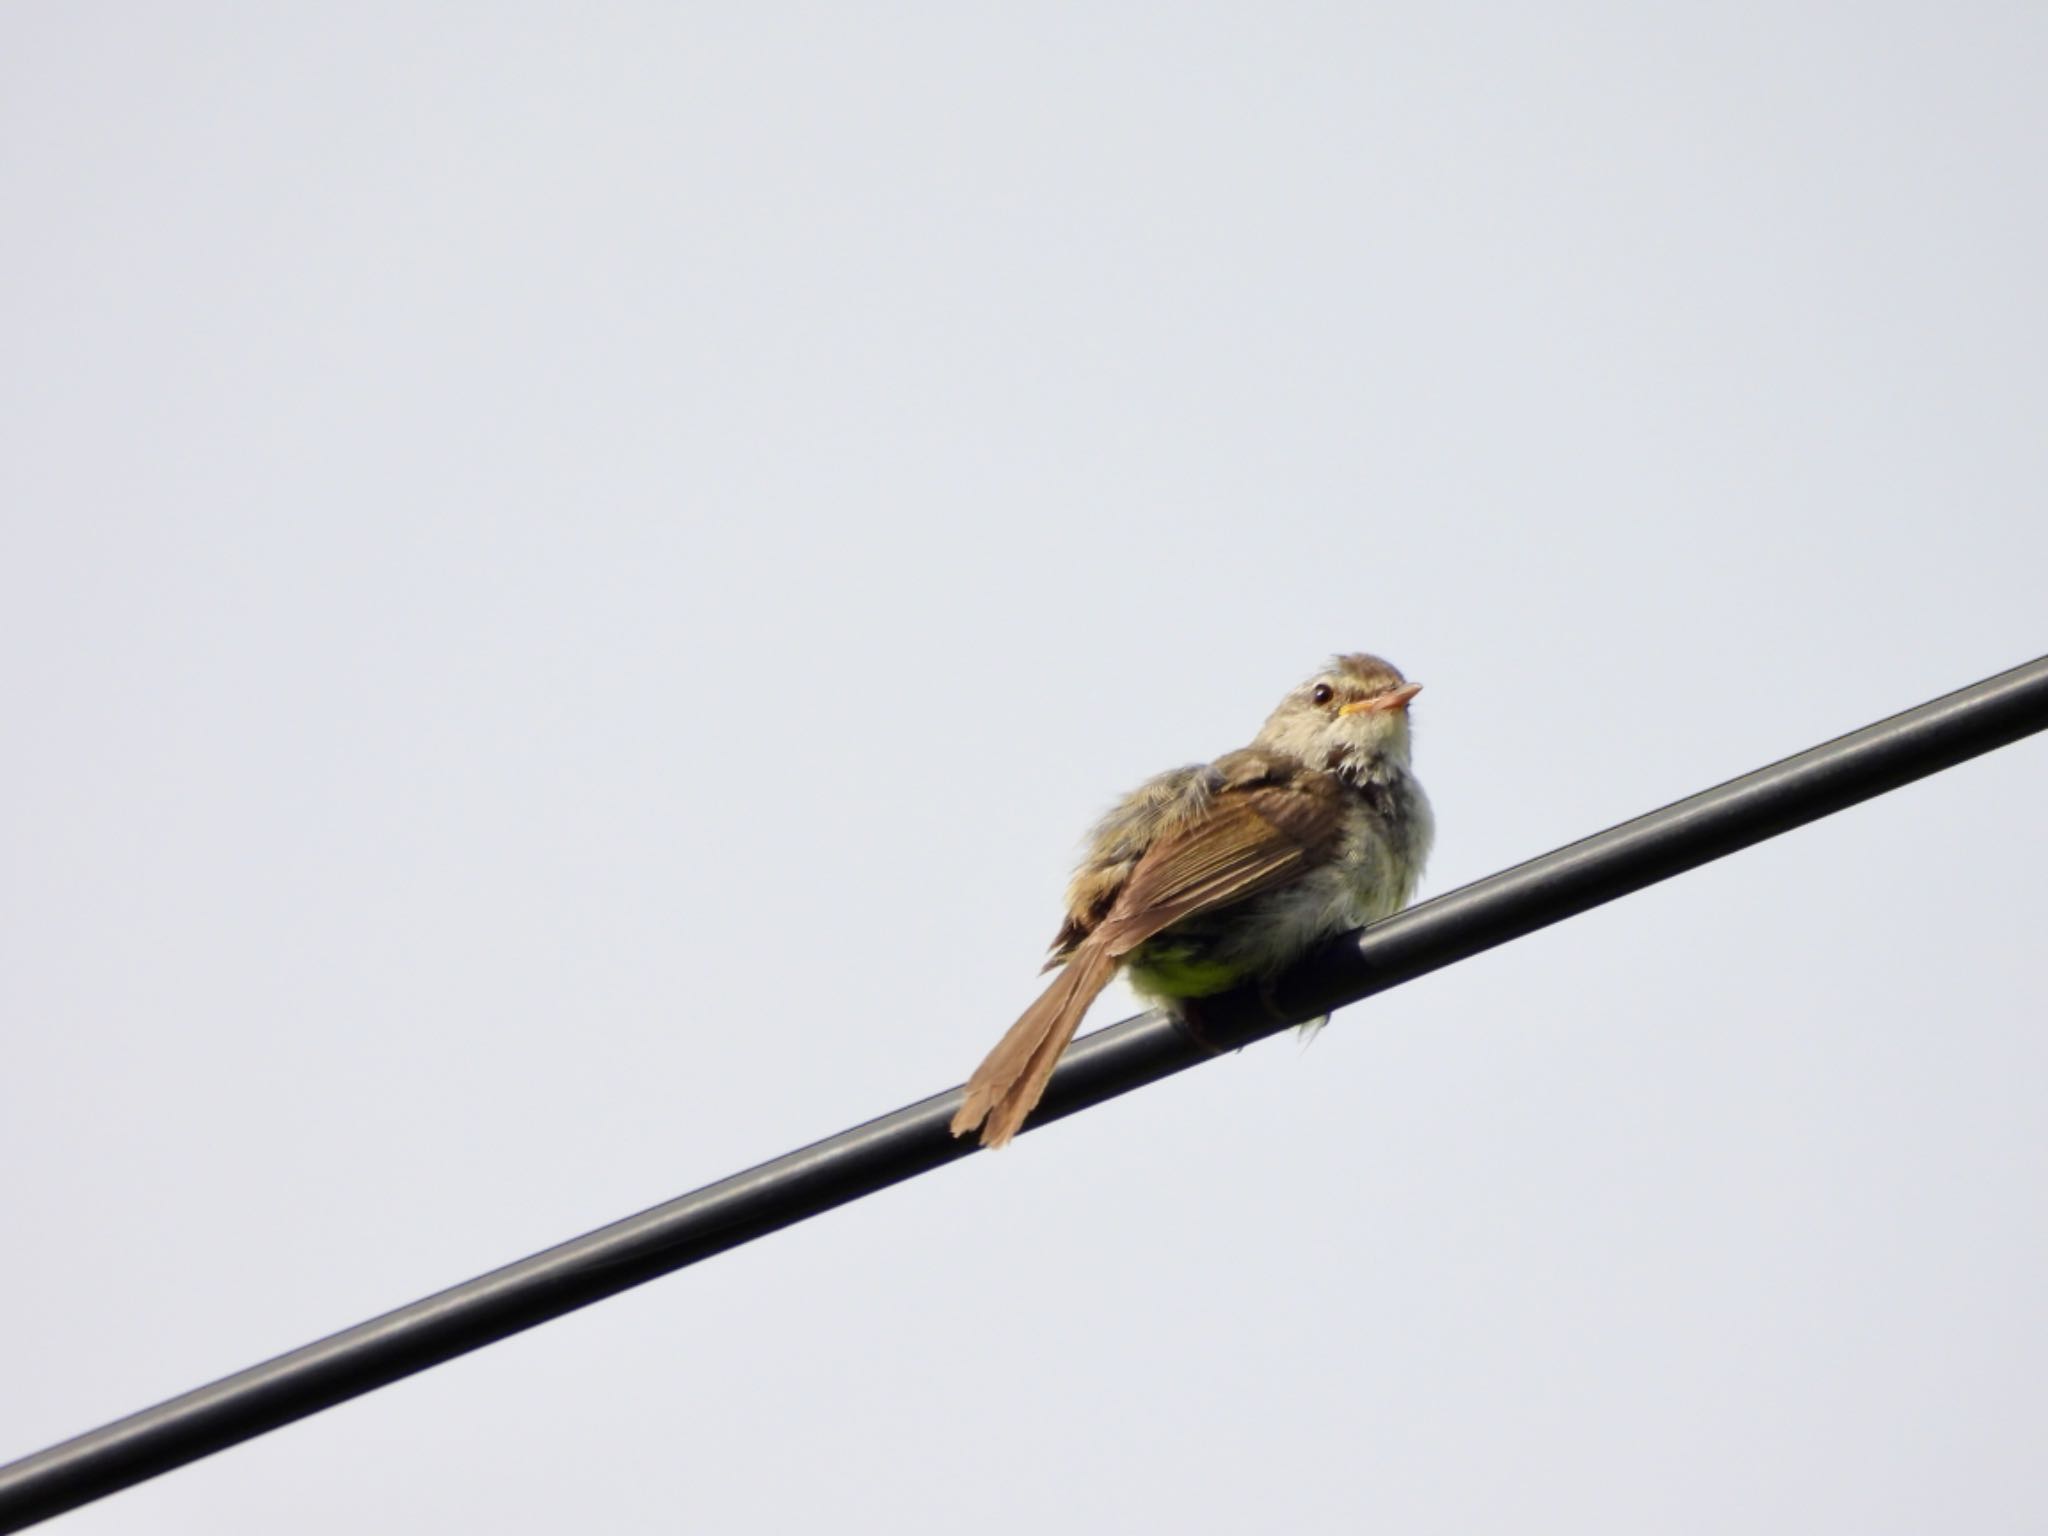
x: 1192, y: 1026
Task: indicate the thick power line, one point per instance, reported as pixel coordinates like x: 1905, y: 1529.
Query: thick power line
x: 829, y: 1173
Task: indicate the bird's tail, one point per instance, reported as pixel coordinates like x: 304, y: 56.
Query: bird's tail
x: 1007, y: 1085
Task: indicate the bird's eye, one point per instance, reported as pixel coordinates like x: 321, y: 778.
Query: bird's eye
x: 1322, y: 693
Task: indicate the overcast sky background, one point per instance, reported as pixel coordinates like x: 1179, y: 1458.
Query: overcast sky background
x: 570, y: 579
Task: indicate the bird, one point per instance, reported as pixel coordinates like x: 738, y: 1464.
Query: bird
x: 1222, y: 874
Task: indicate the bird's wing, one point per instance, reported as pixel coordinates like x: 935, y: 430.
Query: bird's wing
x: 1162, y: 810
x: 1260, y: 828
x: 1159, y: 807
x: 1249, y: 840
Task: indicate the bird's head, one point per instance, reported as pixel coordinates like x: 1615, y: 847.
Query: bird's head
x: 1351, y: 716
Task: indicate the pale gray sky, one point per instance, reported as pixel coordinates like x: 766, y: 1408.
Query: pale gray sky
x: 571, y: 577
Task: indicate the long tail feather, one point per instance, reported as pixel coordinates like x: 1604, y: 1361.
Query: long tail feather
x: 1007, y: 1086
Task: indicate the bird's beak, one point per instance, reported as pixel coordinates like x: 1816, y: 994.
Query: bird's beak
x: 1398, y: 699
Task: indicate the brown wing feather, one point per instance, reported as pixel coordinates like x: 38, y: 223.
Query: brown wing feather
x: 1251, y: 841
x: 1247, y: 840
x: 1161, y: 805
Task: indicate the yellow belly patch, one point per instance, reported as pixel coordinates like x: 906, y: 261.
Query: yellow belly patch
x: 1179, y: 970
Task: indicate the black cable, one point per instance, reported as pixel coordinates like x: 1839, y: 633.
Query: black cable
x: 1099, y: 1066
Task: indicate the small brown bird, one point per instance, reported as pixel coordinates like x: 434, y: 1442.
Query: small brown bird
x: 1221, y: 873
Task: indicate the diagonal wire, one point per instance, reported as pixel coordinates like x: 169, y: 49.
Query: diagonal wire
x: 914, y: 1140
